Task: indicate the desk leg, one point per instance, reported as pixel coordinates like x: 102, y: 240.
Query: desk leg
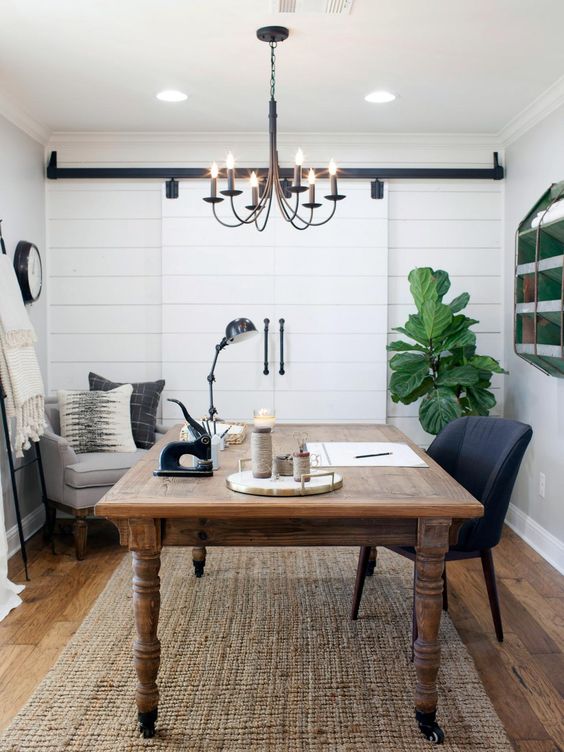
x: 146, y: 646
x: 432, y: 545
x: 199, y: 560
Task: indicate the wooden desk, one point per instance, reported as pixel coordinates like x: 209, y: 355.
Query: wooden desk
x: 421, y: 507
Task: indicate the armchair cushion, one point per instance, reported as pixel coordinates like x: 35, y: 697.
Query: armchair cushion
x: 95, y: 469
x: 144, y: 405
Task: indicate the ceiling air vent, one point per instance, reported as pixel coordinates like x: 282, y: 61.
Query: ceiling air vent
x: 324, y: 7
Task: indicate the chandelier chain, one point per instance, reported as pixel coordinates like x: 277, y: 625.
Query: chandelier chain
x: 273, y: 46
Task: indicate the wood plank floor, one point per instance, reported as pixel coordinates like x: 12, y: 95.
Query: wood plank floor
x: 524, y: 676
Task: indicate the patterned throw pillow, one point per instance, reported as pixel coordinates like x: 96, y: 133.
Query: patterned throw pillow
x: 97, y: 421
x: 144, y: 405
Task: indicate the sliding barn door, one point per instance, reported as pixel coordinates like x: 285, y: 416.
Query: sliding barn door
x: 211, y: 275
x: 329, y: 284
x: 331, y: 289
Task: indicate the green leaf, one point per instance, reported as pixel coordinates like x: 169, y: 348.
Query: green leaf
x: 481, y: 400
x: 462, y: 338
x: 402, y: 383
x: 443, y: 283
x: 438, y: 409
x: 422, y: 285
x: 486, y: 363
x: 437, y: 317
x: 460, y: 302
x: 460, y: 376
x: 426, y: 385
x: 414, y: 329
x: 399, y: 346
x: 408, y: 362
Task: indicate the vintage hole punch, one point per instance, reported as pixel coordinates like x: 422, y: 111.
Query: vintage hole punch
x: 169, y: 460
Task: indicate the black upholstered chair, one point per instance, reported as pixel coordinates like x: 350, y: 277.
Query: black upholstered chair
x: 484, y: 456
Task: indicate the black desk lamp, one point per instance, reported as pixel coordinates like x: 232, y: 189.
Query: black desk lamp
x: 235, y: 331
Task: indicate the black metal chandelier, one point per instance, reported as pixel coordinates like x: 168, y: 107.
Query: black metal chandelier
x: 262, y: 193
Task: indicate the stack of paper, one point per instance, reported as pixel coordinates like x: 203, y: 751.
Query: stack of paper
x: 351, y: 454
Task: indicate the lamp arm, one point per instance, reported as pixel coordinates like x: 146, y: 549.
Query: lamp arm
x: 211, y: 378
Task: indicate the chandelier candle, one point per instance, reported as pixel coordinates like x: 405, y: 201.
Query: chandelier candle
x: 214, y: 173
x: 254, y: 190
x: 311, y: 181
x: 230, y: 165
x: 297, y: 186
x: 333, y: 178
x: 275, y: 186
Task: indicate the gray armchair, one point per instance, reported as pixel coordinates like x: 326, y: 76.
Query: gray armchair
x: 76, y: 482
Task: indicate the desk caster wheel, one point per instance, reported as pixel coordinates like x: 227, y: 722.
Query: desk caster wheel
x: 199, y: 568
x: 429, y: 727
x: 147, y: 723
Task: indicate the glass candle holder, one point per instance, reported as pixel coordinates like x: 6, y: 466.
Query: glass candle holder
x: 264, y: 418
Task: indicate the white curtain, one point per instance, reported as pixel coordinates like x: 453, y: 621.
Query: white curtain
x: 9, y: 597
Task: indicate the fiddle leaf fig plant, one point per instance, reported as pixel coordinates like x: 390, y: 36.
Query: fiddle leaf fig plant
x: 440, y: 365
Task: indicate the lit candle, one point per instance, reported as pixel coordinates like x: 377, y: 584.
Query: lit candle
x: 333, y: 177
x: 254, y: 189
x: 264, y: 418
x: 311, y: 181
x: 298, y: 168
x: 214, y: 172
x: 230, y: 164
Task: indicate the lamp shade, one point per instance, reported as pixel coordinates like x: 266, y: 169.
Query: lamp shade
x: 239, y: 330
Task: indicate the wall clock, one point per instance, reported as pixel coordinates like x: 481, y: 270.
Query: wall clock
x: 29, y: 270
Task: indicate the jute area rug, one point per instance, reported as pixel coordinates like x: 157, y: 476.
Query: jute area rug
x: 258, y: 655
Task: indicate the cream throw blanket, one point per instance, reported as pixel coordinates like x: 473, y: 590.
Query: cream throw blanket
x: 19, y: 369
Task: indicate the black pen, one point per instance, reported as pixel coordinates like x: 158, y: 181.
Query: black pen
x: 380, y: 454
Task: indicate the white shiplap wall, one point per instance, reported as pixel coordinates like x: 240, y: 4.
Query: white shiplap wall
x: 104, y: 282
x: 118, y: 290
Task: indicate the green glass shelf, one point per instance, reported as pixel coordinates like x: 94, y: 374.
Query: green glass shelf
x: 539, y: 266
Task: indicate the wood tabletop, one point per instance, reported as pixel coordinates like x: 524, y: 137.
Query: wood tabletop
x: 367, y: 491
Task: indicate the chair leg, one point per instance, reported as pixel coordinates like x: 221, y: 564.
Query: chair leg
x: 491, y: 586
x: 359, y: 582
x: 445, y: 590
x: 80, y: 534
x: 199, y: 560
x: 371, y: 566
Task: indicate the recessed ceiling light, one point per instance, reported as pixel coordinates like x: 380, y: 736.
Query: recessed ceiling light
x: 380, y: 97
x: 171, y: 95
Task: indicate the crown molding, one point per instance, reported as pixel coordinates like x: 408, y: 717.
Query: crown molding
x: 534, y: 113
x: 23, y: 121
x: 423, y: 139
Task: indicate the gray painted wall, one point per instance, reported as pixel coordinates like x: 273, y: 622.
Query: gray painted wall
x: 534, y: 161
x: 22, y: 209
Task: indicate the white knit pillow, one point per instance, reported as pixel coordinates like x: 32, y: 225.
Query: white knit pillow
x: 97, y: 421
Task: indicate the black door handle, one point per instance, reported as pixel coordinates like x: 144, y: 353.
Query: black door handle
x: 281, y: 371
x: 266, y: 324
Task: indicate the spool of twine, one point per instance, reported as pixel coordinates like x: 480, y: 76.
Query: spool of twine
x: 261, y: 452
x: 301, y: 466
x: 284, y: 464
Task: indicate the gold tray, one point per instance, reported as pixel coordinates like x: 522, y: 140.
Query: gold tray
x: 310, y: 485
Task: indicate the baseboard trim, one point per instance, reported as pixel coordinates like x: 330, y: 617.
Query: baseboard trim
x: 543, y: 542
x: 31, y: 523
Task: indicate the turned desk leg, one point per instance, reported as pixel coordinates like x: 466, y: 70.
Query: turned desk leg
x: 146, y: 646
x: 432, y: 545
x: 199, y: 560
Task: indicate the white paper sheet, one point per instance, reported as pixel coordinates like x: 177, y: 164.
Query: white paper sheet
x: 344, y: 454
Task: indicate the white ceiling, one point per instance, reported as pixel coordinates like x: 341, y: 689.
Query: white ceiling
x: 459, y: 66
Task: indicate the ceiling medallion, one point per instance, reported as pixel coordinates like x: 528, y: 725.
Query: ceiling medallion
x: 265, y: 187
